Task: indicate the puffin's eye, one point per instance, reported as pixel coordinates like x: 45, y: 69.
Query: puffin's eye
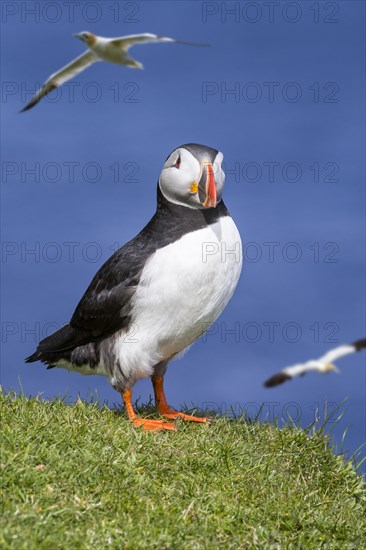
x: 177, y: 162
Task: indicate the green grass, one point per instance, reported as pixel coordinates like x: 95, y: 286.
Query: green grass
x: 80, y: 476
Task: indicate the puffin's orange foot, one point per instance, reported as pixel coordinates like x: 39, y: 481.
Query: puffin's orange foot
x: 175, y: 414
x: 153, y: 425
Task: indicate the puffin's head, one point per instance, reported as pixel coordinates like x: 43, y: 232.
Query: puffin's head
x: 87, y: 37
x: 192, y: 176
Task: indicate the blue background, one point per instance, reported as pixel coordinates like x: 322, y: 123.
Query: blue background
x: 315, y: 302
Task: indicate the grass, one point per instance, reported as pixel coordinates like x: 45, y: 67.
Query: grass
x: 80, y: 476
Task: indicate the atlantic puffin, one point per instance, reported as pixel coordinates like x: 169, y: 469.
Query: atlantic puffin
x: 161, y: 291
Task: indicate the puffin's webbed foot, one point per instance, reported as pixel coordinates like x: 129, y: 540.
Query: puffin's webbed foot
x: 163, y: 407
x: 153, y: 425
x: 170, y: 413
x: 145, y: 423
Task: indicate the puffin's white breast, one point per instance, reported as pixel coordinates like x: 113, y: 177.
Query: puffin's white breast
x: 183, y: 289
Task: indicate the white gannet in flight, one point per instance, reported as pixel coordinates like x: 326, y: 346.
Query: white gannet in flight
x: 113, y: 50
x: 324, y: 364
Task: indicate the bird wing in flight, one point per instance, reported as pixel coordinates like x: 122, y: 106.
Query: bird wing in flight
x: 286, y: 374
x: 126, y: 42
x: 63, y: 75
x: 341, y: 351
x: 359, y: 344
x: 337, y: 353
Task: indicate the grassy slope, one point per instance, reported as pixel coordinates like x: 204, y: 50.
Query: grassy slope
x: 82, y: 477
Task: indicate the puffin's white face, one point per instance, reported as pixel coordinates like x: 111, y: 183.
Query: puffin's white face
x: 194, y: 179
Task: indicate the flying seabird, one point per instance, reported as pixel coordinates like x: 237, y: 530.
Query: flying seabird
x: 159, y: 292
x: 113, y: 50
x: 324, y: 364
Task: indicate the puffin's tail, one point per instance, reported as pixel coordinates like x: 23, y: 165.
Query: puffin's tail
x: 36, y: 356
x: 58, y: 345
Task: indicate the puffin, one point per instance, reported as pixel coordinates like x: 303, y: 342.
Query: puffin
x: 161, y: 291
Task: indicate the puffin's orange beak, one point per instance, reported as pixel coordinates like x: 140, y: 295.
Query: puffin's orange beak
x: 207, y: 187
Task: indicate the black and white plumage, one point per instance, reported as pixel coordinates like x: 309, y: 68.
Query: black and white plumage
x: 111, y: 50
x: 323, y: 365
x: 161, y: 291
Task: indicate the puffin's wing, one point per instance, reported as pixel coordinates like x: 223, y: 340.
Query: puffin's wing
x: 125, y: 42
x: 106, y: 305
x: 103, y: 310
x: 63, y: 75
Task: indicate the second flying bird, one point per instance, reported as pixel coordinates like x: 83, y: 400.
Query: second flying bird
x: 112, y: 50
